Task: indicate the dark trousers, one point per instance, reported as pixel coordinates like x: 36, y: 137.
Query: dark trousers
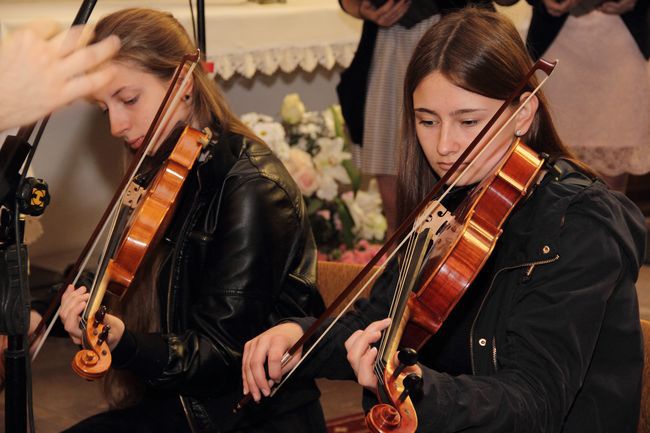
x: 167, y: 416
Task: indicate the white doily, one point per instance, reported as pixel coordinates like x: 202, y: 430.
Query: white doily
x: 269, y: 61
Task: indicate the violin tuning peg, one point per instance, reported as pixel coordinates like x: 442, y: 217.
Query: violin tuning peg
x: 407, y: 356
x: 103, y: 335
x: 412, y: 386
x: 100, y: 314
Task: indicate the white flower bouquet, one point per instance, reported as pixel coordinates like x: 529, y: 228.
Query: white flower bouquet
x: 313, y: 147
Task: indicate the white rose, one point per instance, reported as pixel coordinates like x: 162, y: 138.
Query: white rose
x: 373, y: 227
x: 355, y: 211
x: 311, y: 130
x: 250, y: 119
x: 328, y: 188
x: 272, y: 133
x: 292, y: 109
x: 328, y: 123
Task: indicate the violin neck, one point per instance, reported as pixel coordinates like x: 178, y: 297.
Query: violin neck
x: 95, y: 301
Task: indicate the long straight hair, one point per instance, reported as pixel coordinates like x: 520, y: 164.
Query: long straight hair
x: 480, y: 51
x: 154, y: 42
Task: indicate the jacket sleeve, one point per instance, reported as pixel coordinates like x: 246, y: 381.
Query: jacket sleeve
x: 258, y: 235
x: 550, y: 338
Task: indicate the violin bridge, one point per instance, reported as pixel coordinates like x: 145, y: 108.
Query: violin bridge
x: 206, y: 137
x: 434, y: 218
x: 133, y: 194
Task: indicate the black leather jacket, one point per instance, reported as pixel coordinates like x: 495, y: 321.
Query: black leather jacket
x: 243, y: 257
x: 554, y: 343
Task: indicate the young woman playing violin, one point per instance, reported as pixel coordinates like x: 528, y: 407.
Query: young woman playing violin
x: 547, y: 337
x: 238, y: 256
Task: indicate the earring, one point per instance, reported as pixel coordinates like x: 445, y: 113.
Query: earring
x: 518, y: 133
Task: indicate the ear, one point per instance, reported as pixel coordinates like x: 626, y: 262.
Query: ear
x: 189, y: 87
x: 527, y: 113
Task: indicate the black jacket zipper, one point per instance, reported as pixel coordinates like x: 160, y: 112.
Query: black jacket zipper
x: 530, y: 266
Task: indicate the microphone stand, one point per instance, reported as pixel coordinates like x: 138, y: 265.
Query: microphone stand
x: 200, y: 24
x: 20, y: 195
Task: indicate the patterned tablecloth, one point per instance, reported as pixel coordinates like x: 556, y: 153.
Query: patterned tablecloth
x: 242, y: 37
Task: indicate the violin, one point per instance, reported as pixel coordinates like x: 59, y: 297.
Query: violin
x: 152, y: 212
x: 138, y: 215
x: 461, y: 248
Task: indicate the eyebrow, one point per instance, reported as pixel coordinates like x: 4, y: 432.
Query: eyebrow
x: 118, y: 91
x: 453, y: 113
x: 97, y: 101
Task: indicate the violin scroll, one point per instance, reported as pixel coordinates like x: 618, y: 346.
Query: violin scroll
x: 399, y: 383
x: 94, y: 360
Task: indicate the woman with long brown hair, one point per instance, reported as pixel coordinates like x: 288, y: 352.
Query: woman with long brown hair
x: 238, y: 256
x: 547, y: 337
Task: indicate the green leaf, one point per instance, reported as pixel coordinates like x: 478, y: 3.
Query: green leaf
x: 339, y: 126
x: 354, y: 173
x: 348, y: 223
x: 313, y: 205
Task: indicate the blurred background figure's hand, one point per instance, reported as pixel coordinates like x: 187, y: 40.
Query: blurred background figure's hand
x: 42, y: 69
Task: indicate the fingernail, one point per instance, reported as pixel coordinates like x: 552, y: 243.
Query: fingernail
x: 265, y: 392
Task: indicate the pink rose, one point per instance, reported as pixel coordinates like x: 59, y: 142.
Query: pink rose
x: 301, y: 168
x: 325, y: 213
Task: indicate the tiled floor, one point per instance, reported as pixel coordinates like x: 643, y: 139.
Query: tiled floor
x: 61, y: 398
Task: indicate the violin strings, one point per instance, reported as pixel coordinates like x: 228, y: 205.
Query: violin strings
x: 104, y: 252
x: 397, y: 304
x: 380, y: 364
x: 397, y: 295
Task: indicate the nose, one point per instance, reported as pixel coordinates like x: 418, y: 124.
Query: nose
x: 447, y: 144
x: 119, y: 123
